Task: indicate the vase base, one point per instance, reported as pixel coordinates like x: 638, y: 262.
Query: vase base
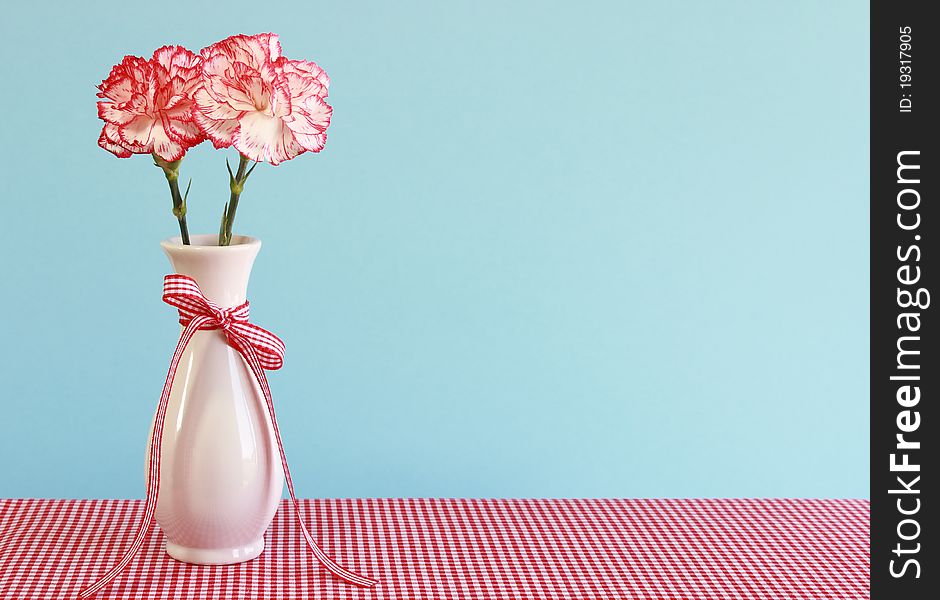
x: 215, y: 556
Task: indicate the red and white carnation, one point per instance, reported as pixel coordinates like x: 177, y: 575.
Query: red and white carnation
x: 148, y: 105
x: 268, y: 107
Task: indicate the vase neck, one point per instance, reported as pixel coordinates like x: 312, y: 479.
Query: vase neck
x: 221, y: 272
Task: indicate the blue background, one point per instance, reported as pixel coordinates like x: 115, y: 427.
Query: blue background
x: 551, y: 249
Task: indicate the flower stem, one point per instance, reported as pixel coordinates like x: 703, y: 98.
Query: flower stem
x: 172, y: 171
x: 236, y: 185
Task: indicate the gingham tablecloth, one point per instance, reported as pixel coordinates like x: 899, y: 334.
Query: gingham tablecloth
x: 437, y: 548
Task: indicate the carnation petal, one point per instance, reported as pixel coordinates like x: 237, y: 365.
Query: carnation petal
x: 171, y: 57
x: 209, y: 106
x: 118, y: 89
x: 312, y: 142
x: 266, y: 47
x: 108, y: 112
x: 179, y: 124
x: 253, y: 50
x: 165, y: 146
x: 312, y: 118
x: 229, y: 82
x: 186, y: 132
x: 265, y: 138
x: 219, y: 131
x: 137, y: 133
x: 274, y: 45
x: 120, y: 82
x: 110, y: 140
x: 281, y: 104
x: 306, y: 74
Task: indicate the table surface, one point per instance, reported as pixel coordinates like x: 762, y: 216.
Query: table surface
x: 460, y: 548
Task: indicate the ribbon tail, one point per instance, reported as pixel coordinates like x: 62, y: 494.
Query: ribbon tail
x: 153, y: 478
x: 331, y: 565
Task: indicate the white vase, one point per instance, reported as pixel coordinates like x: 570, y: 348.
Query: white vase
x: 220, y: 470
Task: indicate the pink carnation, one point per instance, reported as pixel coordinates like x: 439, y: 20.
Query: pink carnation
x: 148, y: 104
x: 270, y: 108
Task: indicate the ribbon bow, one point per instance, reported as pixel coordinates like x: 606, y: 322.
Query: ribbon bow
x: 261, y: 350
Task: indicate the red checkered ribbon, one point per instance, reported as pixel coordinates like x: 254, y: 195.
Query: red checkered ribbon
x: 261, y: 350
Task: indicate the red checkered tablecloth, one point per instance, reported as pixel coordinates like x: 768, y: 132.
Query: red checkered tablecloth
x: 438, y: 548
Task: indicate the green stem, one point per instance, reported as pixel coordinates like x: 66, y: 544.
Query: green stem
x: 179, y: 209
x: 236, y: 185
x: 171, y: 171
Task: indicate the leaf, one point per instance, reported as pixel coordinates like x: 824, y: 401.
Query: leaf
x: 222, y: 226
x: 249, y: 171
x: 186, y: 193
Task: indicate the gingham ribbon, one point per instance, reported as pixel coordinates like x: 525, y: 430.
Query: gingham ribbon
x: 262, y: 350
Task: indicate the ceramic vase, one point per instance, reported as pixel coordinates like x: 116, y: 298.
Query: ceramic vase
x: 220, y: 472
